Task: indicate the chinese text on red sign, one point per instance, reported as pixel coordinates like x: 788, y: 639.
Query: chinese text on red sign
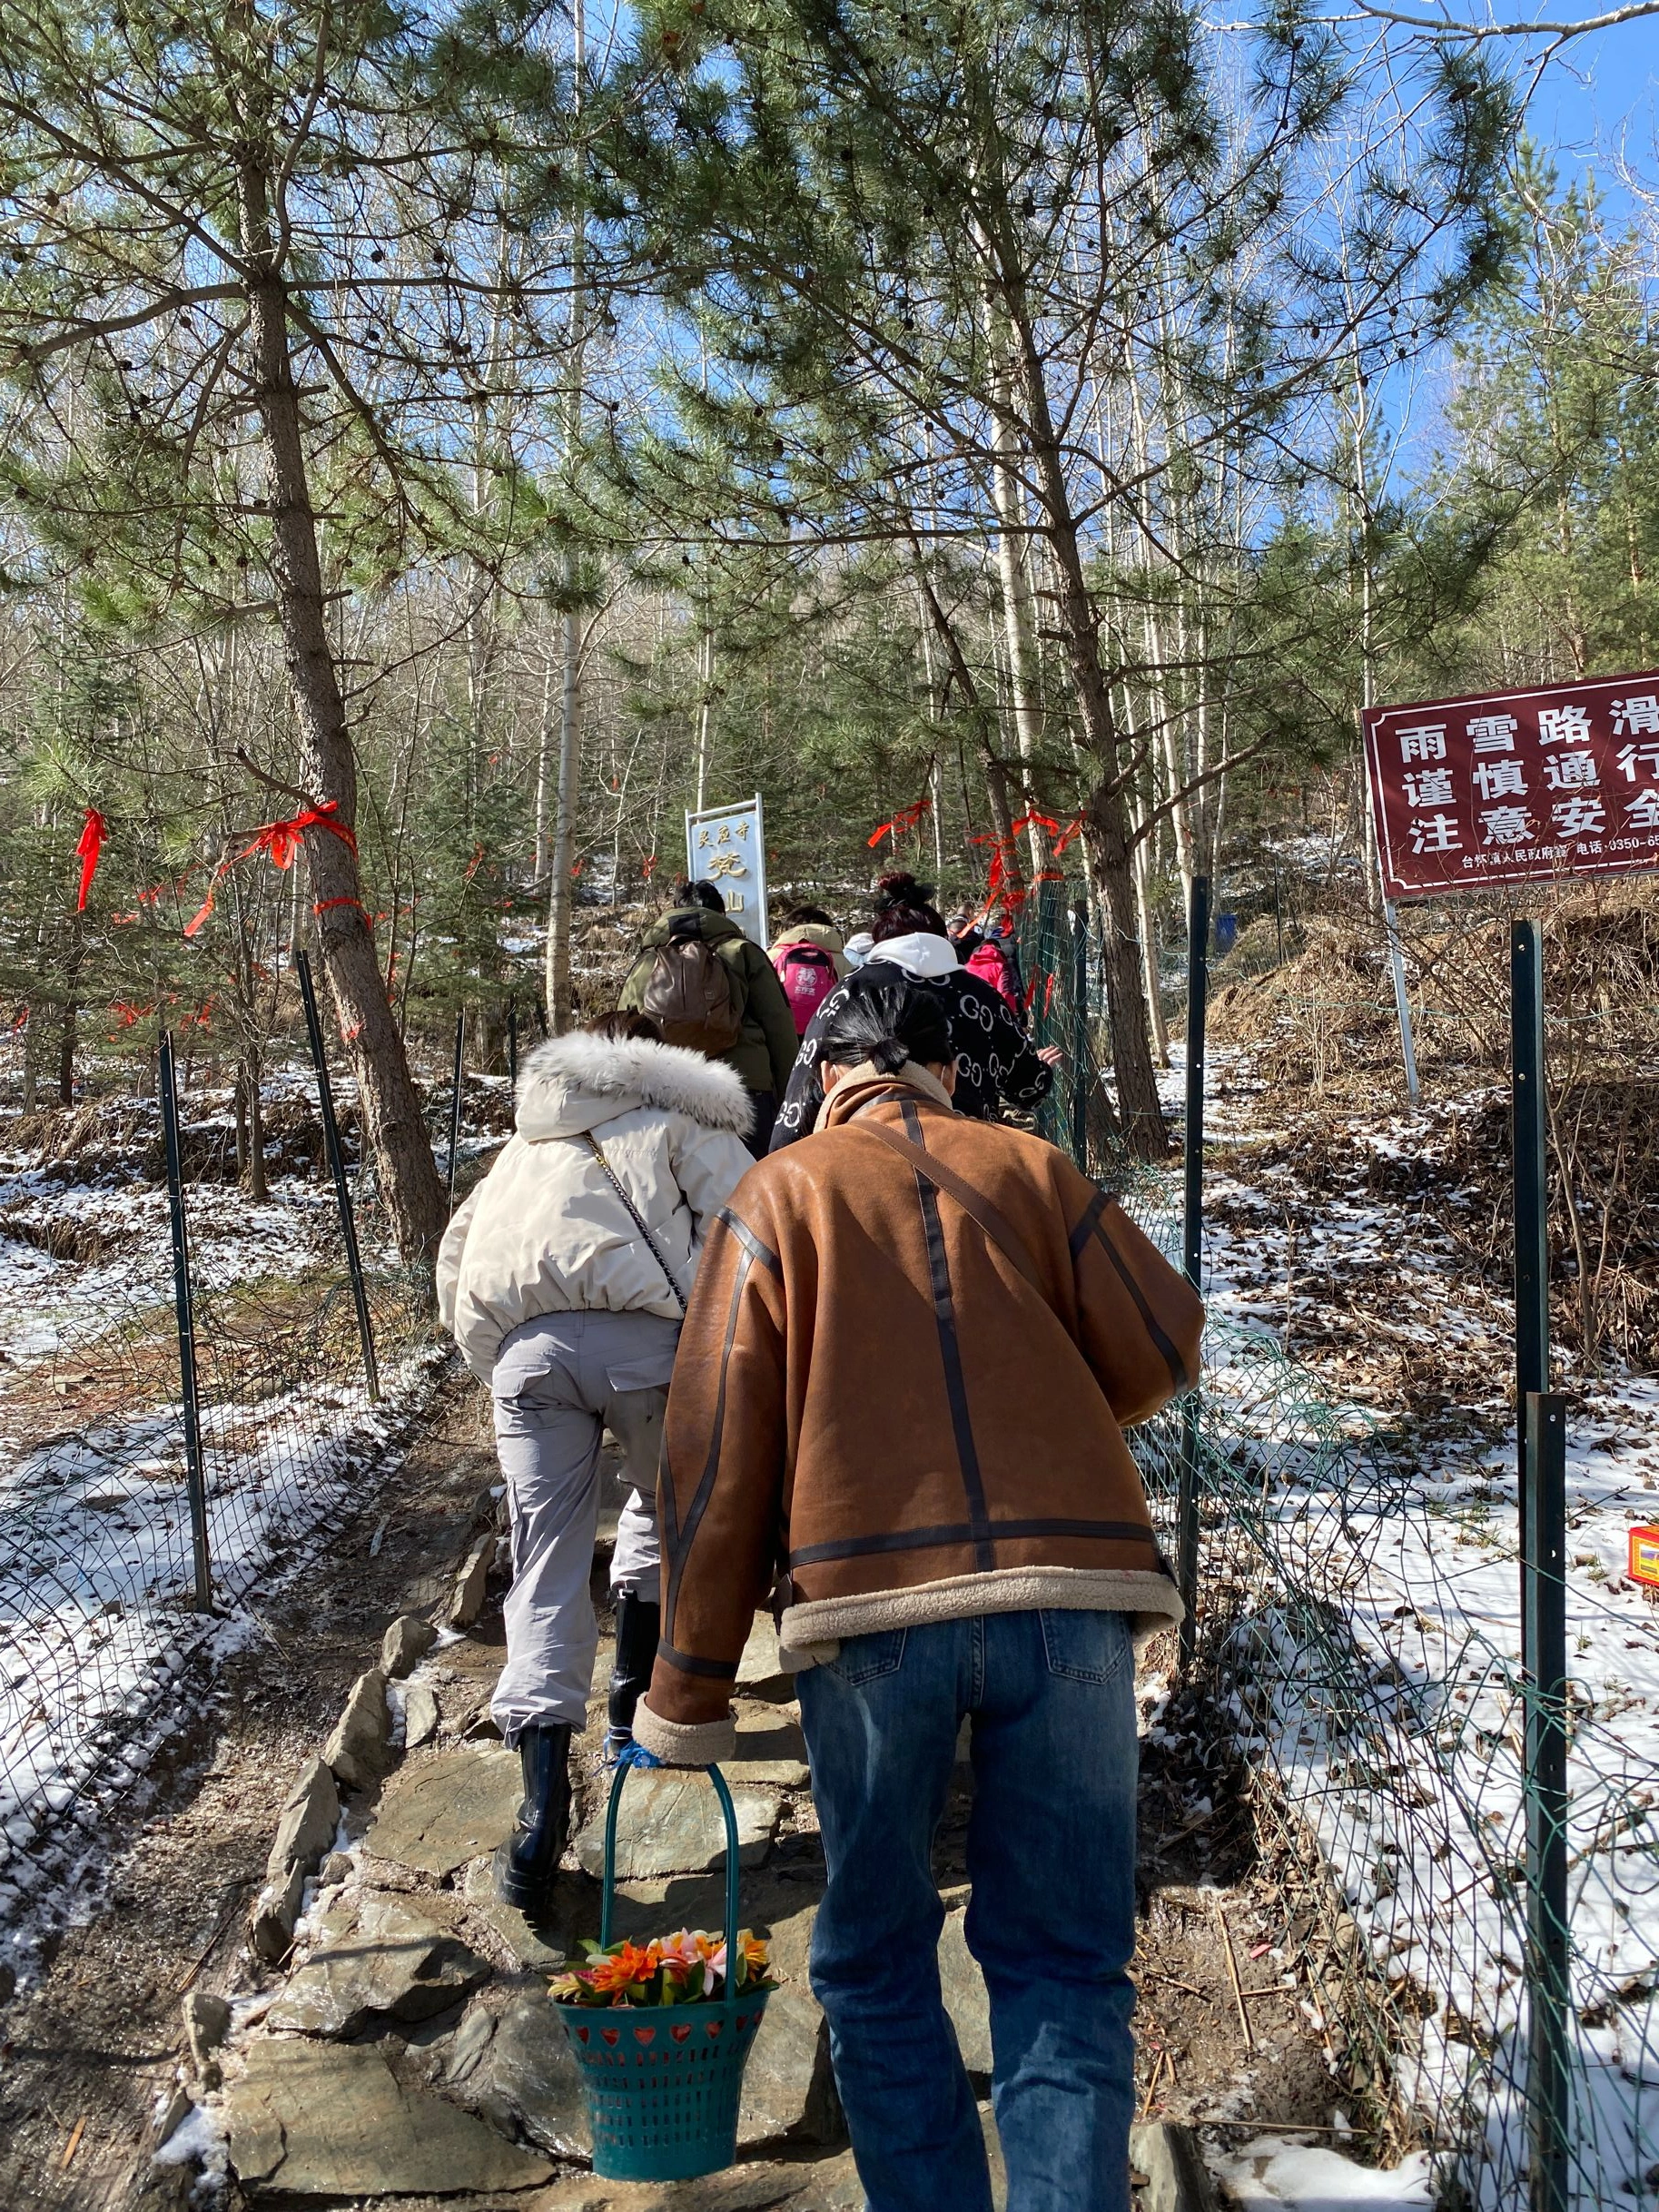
x: 1516, y: 787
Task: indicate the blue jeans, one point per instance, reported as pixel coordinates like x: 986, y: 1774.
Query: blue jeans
x: 1051, y: 1923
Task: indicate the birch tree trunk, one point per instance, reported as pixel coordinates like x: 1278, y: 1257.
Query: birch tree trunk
x: 1018, y: 630
x: 561, y: 894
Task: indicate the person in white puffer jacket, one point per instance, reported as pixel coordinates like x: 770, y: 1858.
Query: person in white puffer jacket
x: 564, y: 1280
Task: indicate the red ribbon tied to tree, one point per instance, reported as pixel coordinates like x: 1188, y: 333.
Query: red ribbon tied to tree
x: 87, y: 852
x: 281, y: 840
x: 907, y: 819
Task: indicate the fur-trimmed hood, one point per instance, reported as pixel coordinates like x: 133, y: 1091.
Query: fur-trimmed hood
x: 580, y: 1082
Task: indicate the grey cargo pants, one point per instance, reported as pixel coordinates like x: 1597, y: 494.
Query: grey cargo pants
x: 559, y: 1381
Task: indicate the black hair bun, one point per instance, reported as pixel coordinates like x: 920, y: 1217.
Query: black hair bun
x: 900, y: 890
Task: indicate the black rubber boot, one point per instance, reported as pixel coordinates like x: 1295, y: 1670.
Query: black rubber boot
x: 640, y: 1621
x: 528, y: 1862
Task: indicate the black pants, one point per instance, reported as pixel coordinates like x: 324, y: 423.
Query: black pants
x: 765, y: 1103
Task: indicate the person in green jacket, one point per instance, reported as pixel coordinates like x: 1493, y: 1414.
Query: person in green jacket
x: 763, y: 1055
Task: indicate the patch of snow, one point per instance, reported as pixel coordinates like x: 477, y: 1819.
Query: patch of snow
x: 199, y: 2139
x: 1273, y: 2171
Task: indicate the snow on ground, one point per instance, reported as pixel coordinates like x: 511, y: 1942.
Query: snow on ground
x: 1398, y: 1732
x: 98, y: 1620
x: 1272, y: 2172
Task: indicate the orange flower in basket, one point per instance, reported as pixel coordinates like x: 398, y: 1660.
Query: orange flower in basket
x: 619, y: 1970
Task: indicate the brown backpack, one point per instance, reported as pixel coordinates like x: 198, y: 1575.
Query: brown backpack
x: 691, y: 994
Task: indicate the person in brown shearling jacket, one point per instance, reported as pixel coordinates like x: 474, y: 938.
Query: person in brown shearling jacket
x: 912, y: 1347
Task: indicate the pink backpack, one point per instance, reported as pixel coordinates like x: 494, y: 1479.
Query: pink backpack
x: 808, y: 976
x: 988, y: 961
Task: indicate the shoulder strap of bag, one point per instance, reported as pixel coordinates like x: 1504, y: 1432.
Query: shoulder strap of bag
x: 991, y: 1218
x: 597, y: 1150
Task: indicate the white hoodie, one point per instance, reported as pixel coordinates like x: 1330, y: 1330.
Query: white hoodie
x: 545, y: 1231
x: 920, y: 954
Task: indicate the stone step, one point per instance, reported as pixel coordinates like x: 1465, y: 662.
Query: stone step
x: 413, y: 2051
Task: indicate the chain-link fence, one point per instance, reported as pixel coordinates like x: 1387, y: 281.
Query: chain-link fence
x: 100, y: 1617
x: 1357, y: 1642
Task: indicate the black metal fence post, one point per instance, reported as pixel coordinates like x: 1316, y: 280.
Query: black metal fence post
x: 194, y: 1479
x: 1541, y: 1465
x: 1192, y: 1247
x: 1531, y: 1216
x: 337, y: 1168
x: 1080, y: 1033
x: 455, y: 1100
x: 1548, y: 1991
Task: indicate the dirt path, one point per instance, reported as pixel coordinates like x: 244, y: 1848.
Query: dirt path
x: 163, y: 1908
x: 90, y: 2049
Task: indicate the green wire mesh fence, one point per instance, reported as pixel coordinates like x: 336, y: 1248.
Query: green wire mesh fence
x: 1357, y: 1644
x: 99, y: 1625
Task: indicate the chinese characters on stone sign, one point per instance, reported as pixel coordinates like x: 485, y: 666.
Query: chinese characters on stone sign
x: 1554, y: 782
x: 724, y: 847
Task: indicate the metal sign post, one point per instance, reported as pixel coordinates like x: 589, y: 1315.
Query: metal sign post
x: 1192, y: 1250
x: 726, y: 846
x: 1522, y: 787
x: 1402, y: 1003
x: 1391, y: 931
x: 1531, y: 1217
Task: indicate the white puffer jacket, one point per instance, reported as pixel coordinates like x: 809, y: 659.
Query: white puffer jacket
x: 545, y: 1231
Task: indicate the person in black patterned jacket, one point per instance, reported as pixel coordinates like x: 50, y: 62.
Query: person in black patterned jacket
x: 996, y: 1062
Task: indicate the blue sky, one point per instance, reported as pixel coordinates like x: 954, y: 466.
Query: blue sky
x: 1599, y: 90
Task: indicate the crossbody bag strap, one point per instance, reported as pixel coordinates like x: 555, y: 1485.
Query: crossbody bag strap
x: 991, y: 1218
x: 597, y: 1150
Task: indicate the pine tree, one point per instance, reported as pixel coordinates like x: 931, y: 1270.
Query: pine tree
x: 246, y: 264
x: 923, y: 237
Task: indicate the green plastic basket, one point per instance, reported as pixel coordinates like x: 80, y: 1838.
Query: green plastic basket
x: 664, y: 2081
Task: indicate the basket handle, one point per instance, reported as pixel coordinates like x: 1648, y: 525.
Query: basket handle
x: 608, y: 1898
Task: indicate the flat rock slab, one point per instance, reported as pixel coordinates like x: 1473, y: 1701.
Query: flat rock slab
x: 437, y: 1814
x: 544, y: 1952
x: 818, y: 2185
x: 670, y: 1823
x: 515, y: 2069
x: 788, y: 2087
x: 829, y: 2186
x: 761, y: 1672
x: 359, y: 1750
x: 310, y: 2120
x: 965, y: 1998
x: 309, y: 1820
x: 380, y: 1959
x: 421, y: 1715
x: 466, y: 1601
x: 771, y: 1749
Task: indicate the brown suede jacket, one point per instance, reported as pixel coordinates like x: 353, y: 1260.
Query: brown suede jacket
x: 875, y: 1401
